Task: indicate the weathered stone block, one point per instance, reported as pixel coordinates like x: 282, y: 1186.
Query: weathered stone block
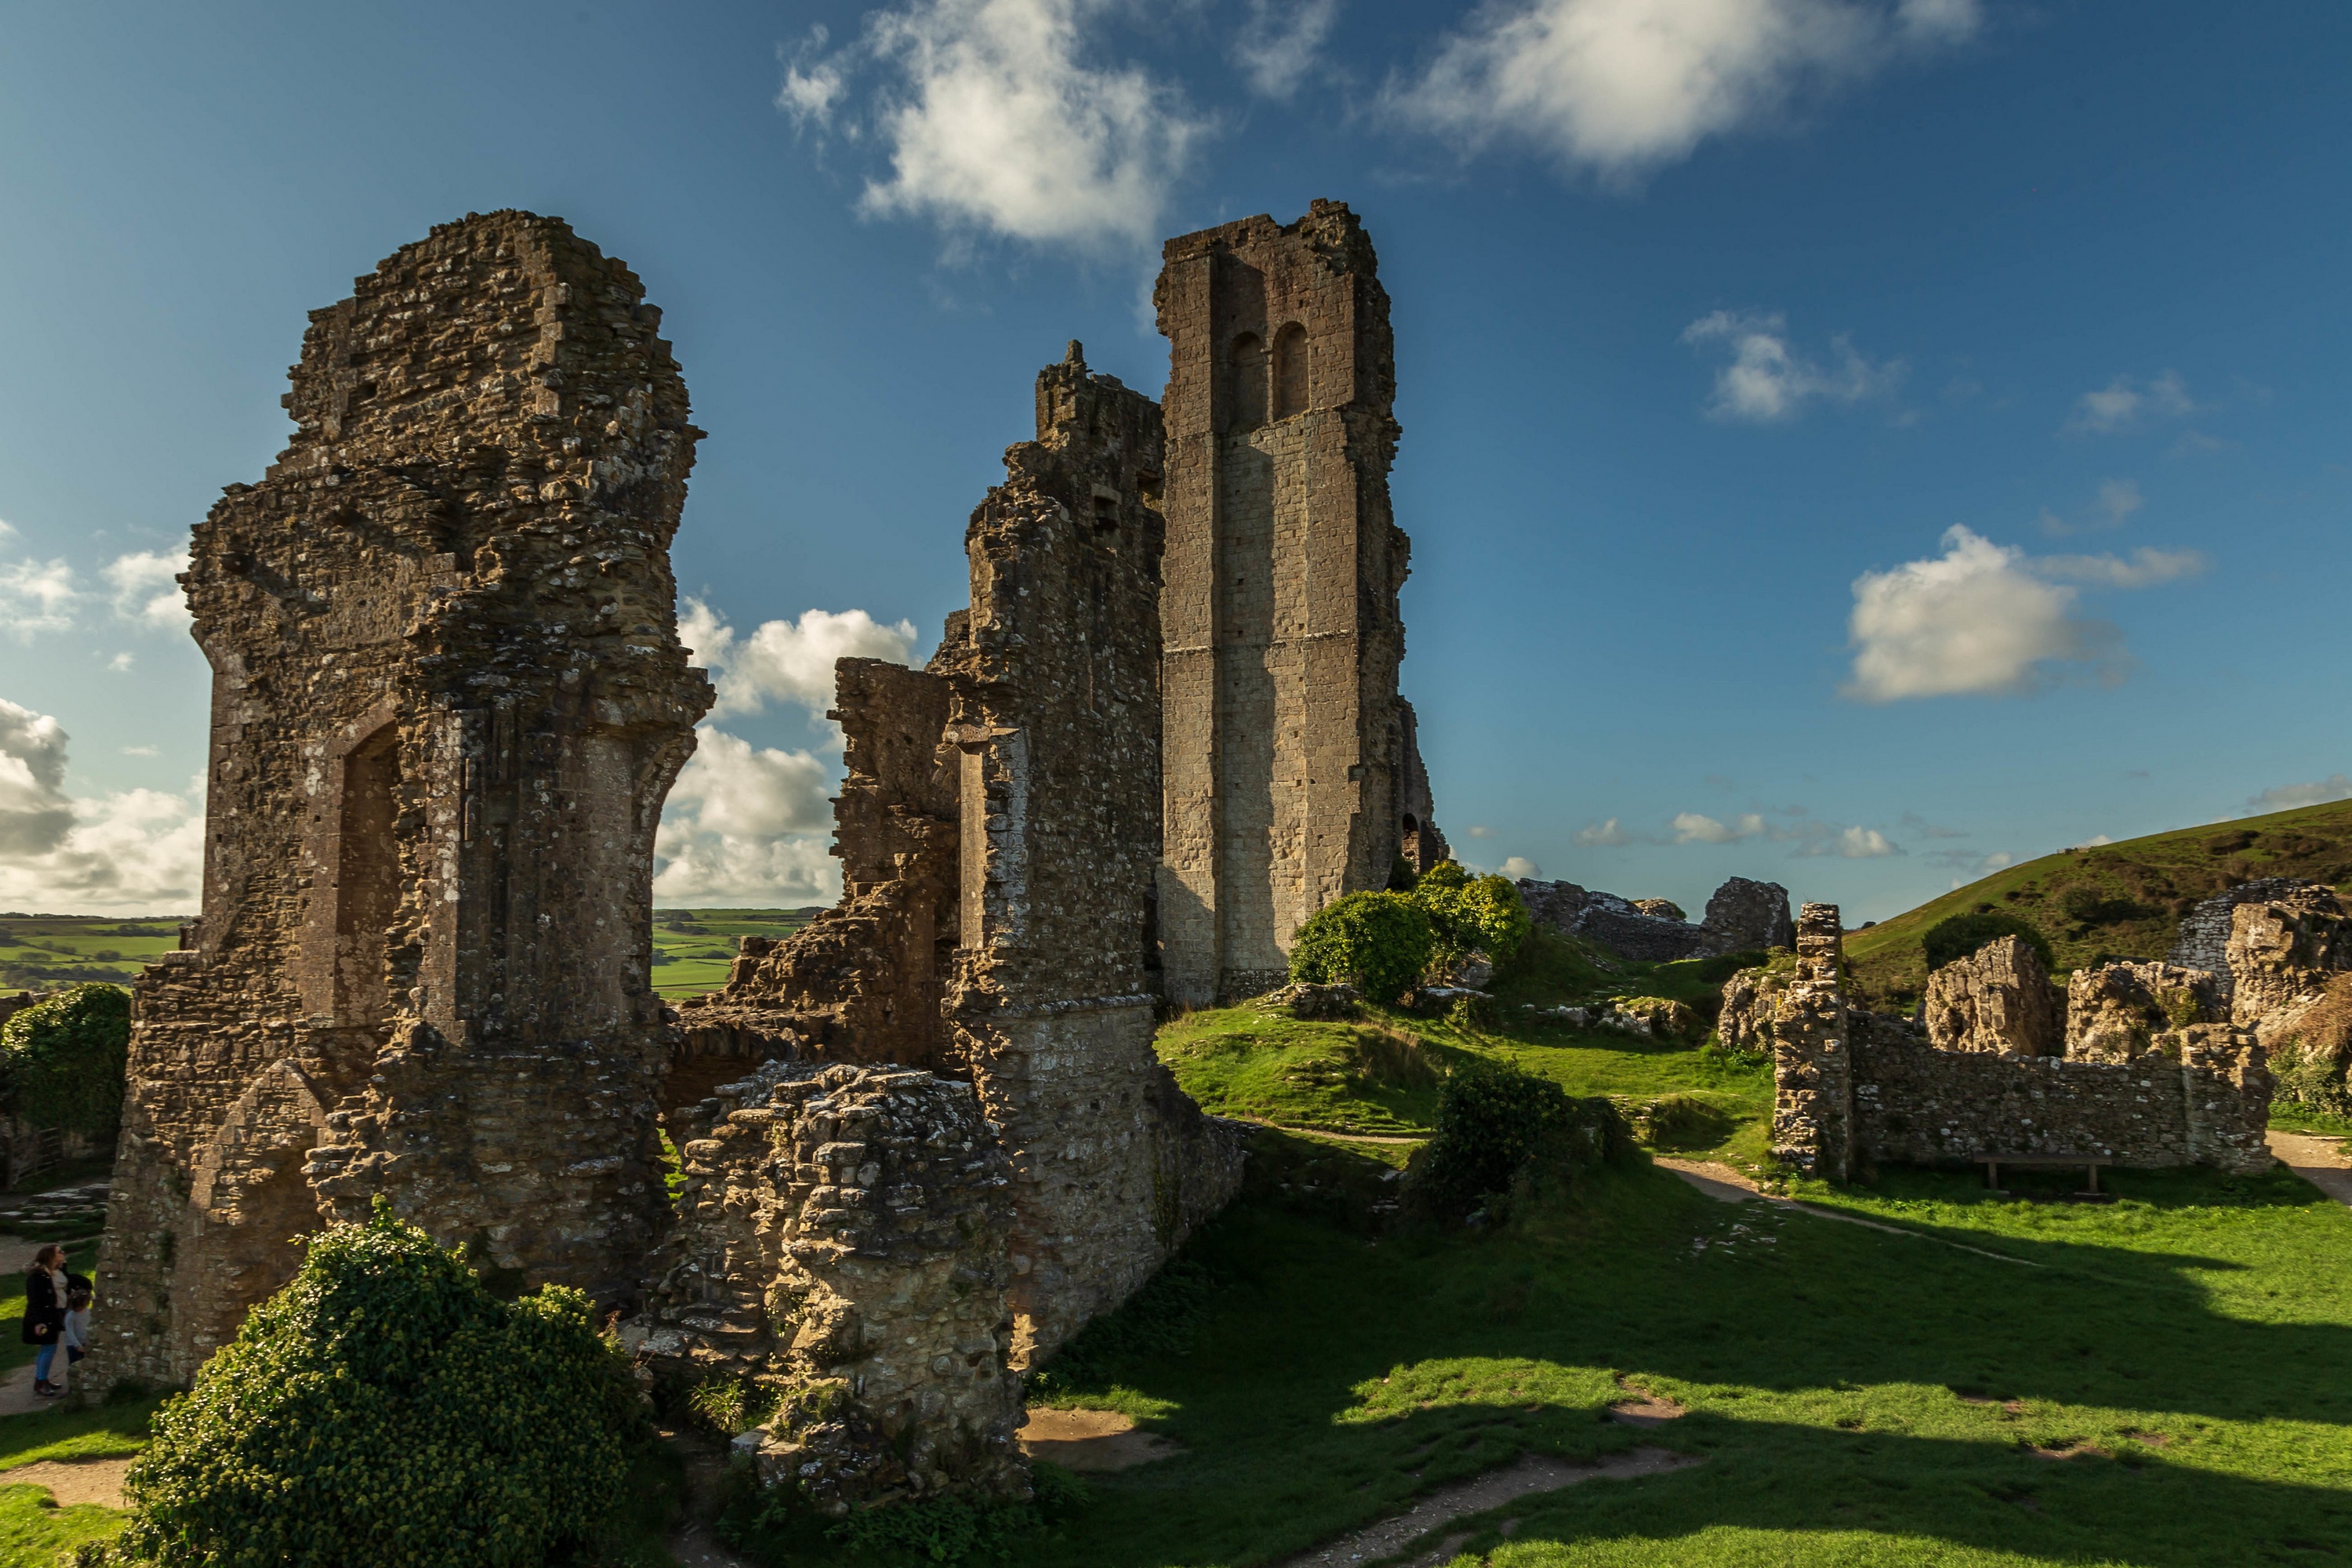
x: 1997, y: 998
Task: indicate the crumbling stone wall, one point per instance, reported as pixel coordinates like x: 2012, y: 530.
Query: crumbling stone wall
x: 1741, y: 916
x: 2120, y: 1010
x: 2283, y: 949
x: 1745, y: 916
x: 2198, y: 1093
x: 1288, y: 771
x: 2203, y: 942
x: 1997, y: 998
x: 840, y: 1257
x: 448, y: 699
x: 1418, y: 841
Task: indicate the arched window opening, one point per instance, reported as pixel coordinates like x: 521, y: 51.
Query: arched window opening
x: 1290, y: 371
x: 367, y: 878
x: 1248, y: 365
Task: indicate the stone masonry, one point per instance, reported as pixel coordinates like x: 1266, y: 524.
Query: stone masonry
x: 2189, y: 1093
x: 840, y: 1258
x: 1997, y: 998
x: 999, y: 832
x: 448, y: 699
x: 1288, y: 764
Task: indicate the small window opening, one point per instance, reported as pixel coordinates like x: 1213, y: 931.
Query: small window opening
x: 1248, y: 364
x: 1290, y: 371
x: 1105, y: 515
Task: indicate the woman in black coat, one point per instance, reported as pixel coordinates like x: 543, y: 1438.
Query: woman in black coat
x: 44, y: 1313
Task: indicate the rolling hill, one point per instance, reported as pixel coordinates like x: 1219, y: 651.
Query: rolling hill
x: 2112, y: 900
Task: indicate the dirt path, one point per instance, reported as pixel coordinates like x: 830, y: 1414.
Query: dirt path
x: 72, y: 1481
x: 2319, y: 1161
x: 1531, y: 1474
x: 1726, y: 1184
x: 1090, y: 1440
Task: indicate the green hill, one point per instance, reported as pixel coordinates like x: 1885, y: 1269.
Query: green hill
x: 2112, y: 900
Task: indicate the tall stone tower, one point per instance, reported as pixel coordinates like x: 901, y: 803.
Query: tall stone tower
x: 1284, y: 753
x: 448, y: 699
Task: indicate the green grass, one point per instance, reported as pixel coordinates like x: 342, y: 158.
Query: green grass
x: 2128, y: 898
x: 694, y: 948
x: 42, y: 953
x: 34, y: 1531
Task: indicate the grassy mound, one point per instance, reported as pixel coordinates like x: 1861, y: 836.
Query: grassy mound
x: 2115, y: 900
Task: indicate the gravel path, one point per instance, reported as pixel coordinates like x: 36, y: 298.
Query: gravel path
x: 2319, y: 1161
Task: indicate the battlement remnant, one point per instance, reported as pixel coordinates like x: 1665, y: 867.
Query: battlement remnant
x: 1291, y: 774
x: 448, y: 699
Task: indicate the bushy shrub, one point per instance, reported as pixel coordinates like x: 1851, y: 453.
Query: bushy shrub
x: 385, y: 1408
x: 62, y: 1061
x: 1496, y: 1125
x: 1958, y: 937
x: 1482, y: 914
x: 1378, y: 942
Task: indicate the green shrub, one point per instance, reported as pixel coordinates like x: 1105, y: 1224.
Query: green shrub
x: 1378, y: 942
x: 1496, y: 1125
x: 62, y: 1061
x: 1961, y: 935
x: 384, y: 1408
x: 1482, y: 914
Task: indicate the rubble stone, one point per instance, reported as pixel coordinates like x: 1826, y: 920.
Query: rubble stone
x: 1750, y: 1000
x: 1812, y: 1071
x: 2118, y: 1010
x: 1618, y: 924
x: 1291, y: 777
x: 2283, y: 949
x: 1744, y: 916
x: 1999, y: 998
x: 448, y: 699
x: 840, y: 1256
x: 2203, y: 942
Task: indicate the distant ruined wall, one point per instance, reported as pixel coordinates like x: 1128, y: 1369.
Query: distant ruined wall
x: 2135, y: 1086
x: 448, y: 699
x: 1285, y: 749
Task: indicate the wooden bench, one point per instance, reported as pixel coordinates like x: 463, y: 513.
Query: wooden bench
x: 2090, y: 1164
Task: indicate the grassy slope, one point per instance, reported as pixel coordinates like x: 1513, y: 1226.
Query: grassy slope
x: 688, y: 962
x: 40, y: 952
x: 34, y: 1530
x: 2149, y: 883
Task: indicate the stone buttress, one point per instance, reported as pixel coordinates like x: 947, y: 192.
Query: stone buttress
x: 448, y: 699
x: 1290, y: 775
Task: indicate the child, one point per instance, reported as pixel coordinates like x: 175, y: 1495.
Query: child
x: 75, y: 1336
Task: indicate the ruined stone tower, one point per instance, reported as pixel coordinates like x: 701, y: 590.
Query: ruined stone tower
x: 448, y: 699
x: 1285, y: 749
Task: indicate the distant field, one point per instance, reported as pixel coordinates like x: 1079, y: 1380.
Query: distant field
x: 692, y: 948
x: 40, y: 952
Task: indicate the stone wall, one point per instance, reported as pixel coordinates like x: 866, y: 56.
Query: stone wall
x: 1852, y: 1087
x: 840, y: 1257
x: 2120, y: 1010
x: 448, y: 699
x: 1997, y: 998
x: 2204, y: 940
x: 2283, y: 949
x: 1744, y: 916
x: 1285, y: 744
x: 1741, y: 916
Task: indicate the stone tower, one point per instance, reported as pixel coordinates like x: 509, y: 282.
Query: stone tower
x: 448, y: 699
x: 1285, y: 750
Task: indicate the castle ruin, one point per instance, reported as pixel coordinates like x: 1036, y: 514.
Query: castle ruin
x: 1291, y: 770
x: 448, y: 699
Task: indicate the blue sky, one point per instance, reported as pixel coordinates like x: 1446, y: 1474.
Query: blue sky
x: 1847, y: 443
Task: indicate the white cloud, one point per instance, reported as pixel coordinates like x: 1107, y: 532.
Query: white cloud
x: 1600, y: 833
x: 1279, y: 43
x: 747, y: 824
x: 1516, y: 866
x: 1767, y: 382
x: 1983, y: 619
x: 995, y: 119
x: 1853, y: 844
x: 786, y: 661
x: 143, y: 751
x: 36, y: 597
x: 135, y: 850
x: 1622, y: 87
x: 2124, y: 402
x: 1482, y: 832
x: 1693, y: 828
x: 2286, y: 797
x: 145, y: 589
x: 1970, y: 865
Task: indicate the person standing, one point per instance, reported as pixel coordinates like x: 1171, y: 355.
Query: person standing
x: 45, y: 1314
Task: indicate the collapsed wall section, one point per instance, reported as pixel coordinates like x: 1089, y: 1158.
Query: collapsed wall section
x: 1290, y: 772
x: 448, y: 699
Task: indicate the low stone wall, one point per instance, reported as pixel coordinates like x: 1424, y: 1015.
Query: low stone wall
x: 2202, y: 1098
x: 841, y: 1257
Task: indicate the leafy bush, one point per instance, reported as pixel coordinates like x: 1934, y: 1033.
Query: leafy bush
x: 62, y: 1061
x: 1378, y: 942
x: 385, y: 1408
x: 1482, y: 914
x: 1496, y: 1125
x: 1956, y: 938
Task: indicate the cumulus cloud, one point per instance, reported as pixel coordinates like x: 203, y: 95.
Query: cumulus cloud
x: 132, y: 850
x: 997, y: 117
x: 1279, y: 43
x: 1623, y: 86
x: 1853, y: 844
x: 1970, y: 865
x: 786, y: 661
x: 2117, y: 500
x: 747, y: 823
x: 1985, y: 618
x: 2125, y: 403
x: 1517, y: 867
x: 1481, y: 831
x: 1606, y: 834
x: 36, y: 597
x: 2286, y: 797
x: 1809, y: 835
x: 146, y: 590
x: 1769, y: 382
